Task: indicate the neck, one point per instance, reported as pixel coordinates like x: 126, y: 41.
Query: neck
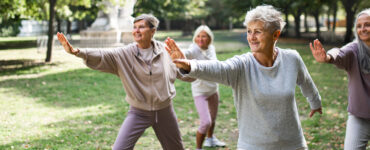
x: 144, y: 45
x: 266, y: 59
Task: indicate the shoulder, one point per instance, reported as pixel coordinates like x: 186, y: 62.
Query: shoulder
x: 158, y: 44
x: 289, y: 54
x: 351, y: 47
x: 244, y: 58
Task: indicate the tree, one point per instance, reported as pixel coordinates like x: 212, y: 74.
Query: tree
x: 314, y: 7
x: 297, y: 12
x: 51, y: 30
x: 174, y: 9
x: 351, y: 7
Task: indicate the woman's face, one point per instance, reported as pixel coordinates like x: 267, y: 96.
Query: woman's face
x: 142, y: 32
x: 363, y: 28
x: 258, y: 38
x: 203, y: 40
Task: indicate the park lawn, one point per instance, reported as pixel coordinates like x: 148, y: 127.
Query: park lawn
x: 64, y: 105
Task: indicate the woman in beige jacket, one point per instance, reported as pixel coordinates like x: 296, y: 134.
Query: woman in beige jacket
x: 148, y: 82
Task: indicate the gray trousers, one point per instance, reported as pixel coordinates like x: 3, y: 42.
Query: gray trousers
x: 357, y: 133
x: 164, y: 123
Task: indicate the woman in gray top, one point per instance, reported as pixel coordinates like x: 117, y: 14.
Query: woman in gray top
x: 263, y: 83
x: 355, y: 59
x: 143, y: 68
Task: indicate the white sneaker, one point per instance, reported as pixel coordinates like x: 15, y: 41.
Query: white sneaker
x: 213, y: 142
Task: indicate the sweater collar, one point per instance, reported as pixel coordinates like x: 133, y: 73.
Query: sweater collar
x: 156, y: 48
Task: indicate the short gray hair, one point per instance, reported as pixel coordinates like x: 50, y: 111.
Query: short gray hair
x: 267, y: 14
x: 150, y: 19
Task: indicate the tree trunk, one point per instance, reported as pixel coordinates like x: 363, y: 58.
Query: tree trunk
x: 297, y: 22
x: 305, y: 22
x: 287, y: 25
x: 349, y: 25
x: 316, y: 15
x: 351, y: 7
x: 188, y: 28
x: 328, y: 25
x: 51, y: 30
x: 69, y: 27
x: 335, y: 9
x: 168, y: 24
x: 59, y: 24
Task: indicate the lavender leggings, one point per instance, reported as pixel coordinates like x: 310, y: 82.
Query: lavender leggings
x: 207, y: 107
x: 163, y: 121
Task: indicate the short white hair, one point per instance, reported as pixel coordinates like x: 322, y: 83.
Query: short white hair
x: 205, y: 29
x: 267, y: 14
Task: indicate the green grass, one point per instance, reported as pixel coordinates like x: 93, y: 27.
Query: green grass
x: 64, y: 105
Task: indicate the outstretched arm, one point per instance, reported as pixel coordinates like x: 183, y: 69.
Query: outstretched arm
x: 67, y: 46
x: 319, y: 52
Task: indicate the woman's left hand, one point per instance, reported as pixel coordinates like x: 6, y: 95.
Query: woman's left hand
x: 174, y: 50
x: 315, y: 110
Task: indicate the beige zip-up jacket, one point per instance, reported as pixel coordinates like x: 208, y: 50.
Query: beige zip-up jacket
x: 148, y: 87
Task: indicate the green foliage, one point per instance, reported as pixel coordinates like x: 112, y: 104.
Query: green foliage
x: 9, y: 27
x: 172, y: 9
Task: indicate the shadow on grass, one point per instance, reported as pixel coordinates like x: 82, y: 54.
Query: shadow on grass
x: 22, y: 66
x: 75, y: 88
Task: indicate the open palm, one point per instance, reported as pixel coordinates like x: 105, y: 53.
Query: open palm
x: 174, y: 50
x: 66, y: 45
x: 319, y: 52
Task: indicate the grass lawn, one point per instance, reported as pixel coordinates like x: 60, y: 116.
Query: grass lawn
x: 65, y: 105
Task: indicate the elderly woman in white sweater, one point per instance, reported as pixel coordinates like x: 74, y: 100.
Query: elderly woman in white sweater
x: 205, y: 93
x: 263, y: 83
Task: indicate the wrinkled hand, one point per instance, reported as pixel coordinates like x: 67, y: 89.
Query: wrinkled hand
x: 182, y: 64
x: 319, y: 52
x: 66, y: 45
x: 319, y: 110
x: 173, y: 49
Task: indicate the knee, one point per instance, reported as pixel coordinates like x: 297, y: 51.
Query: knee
x: 204, y: 125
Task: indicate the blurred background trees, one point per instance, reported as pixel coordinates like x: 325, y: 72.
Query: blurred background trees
x: 305, y: 18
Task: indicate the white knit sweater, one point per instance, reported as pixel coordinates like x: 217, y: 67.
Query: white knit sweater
x: 264, y: 97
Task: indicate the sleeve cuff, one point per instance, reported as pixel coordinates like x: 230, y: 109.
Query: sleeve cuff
x: 315, y: 103
x: 334, y: 53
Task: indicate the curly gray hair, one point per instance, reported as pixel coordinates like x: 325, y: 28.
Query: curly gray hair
x: 150, y: 19
x: 267, y: 14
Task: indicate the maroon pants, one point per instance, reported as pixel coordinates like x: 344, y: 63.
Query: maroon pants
x: 163, y: 121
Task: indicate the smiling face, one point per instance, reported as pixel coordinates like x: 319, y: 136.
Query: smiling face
x: 363, y: 28
x: 203, y: 40
x: 259, y: 39
x: 142, y: 32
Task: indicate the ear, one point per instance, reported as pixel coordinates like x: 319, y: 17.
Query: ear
x: 153, y: 31
x: 276, y: 35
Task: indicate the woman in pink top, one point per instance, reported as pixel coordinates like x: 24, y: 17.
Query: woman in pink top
x: 205, y: 93
x: 355, y: 59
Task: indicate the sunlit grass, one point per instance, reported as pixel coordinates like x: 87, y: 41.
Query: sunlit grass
x: 64, y: 105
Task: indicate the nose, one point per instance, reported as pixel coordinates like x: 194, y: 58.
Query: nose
x: 136, y: 29
x: 252, y: 35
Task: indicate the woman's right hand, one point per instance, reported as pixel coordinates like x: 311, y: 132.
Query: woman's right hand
x: 319, y: 52
x: 183, y: 64
x: 173, y: 49
x: 67, y: 47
